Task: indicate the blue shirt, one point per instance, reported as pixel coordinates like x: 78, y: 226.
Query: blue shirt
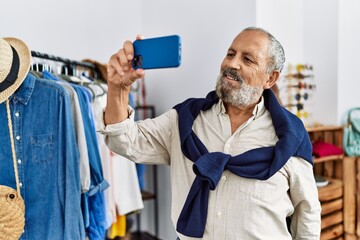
x: 93, y: 201
x: 47, y: 158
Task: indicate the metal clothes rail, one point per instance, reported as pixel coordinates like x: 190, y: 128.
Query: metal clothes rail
x: 67, y: 62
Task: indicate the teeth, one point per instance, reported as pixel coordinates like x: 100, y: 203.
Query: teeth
x: 231, y: 78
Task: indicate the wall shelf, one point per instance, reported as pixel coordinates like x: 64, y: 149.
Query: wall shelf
x: 332, y: 197
x: 328, y: 158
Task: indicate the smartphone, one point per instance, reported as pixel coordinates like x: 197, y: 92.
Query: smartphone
x: 159, y: 52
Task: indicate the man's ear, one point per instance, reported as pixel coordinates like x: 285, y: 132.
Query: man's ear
x: 273, y: 77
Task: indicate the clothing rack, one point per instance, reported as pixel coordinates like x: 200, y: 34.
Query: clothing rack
x: 67, y: 62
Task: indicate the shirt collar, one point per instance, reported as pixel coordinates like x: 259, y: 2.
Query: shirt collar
x: 220, y: 108
x: 258, y: 110
x: 24, y: 92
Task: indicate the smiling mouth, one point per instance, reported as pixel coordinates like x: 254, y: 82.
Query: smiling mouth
x: 230, y: 74
x: 231, y: 77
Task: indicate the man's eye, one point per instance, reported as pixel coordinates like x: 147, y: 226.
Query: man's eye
x: 246, y: 59
x: 230, y: 55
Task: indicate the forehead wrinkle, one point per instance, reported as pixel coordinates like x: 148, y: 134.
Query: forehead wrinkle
x: 252, y: 46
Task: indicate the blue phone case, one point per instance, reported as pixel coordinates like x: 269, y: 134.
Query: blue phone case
x: 160, y: 52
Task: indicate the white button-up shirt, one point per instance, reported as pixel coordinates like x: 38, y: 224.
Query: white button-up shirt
x: 239, y: 208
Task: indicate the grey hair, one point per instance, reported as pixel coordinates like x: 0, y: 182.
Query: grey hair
x: 276, y: 51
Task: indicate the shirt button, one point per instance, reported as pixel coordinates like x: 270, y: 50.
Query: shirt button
x: 223, y: 178
x: 219, y: 214
x: 17, y: 114
x: 20, y: 184
x: 18, y: 137
x: 19, y: 161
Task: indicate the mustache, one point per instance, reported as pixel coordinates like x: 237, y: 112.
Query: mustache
x: 231, y: 72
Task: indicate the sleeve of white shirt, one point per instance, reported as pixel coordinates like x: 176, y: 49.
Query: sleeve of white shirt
x: 145, y: 141
x: 306, y: 219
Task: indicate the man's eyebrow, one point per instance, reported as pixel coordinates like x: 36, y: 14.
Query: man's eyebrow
x: 249, y: 53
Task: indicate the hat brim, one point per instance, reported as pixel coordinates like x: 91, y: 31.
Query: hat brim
x: 25, y: 58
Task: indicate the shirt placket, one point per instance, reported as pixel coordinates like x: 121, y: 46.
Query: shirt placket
x: 17, y: 113
x: 18, y: 136
x: 220, y: 217
x: 221, y: 208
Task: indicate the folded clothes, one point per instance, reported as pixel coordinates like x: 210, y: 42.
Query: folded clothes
x: 322, y: 149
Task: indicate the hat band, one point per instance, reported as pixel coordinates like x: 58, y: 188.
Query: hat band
x: 13, y: 74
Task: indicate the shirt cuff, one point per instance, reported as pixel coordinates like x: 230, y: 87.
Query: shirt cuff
x: 116, y: 128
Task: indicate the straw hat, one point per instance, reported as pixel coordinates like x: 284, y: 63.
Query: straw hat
x: 15, y: 59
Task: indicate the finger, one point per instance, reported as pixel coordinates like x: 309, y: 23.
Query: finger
x: 137, y: 74
x: 129, y: 50
x: 123, y: 61
x: 114, y: 66
x: 139, y: 37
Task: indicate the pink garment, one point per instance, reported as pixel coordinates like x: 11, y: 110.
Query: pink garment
x: 322, y: 149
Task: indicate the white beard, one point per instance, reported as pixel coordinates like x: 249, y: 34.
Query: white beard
x: 244, y: 96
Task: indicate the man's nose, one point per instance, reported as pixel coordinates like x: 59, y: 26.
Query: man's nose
x: 235, y: 63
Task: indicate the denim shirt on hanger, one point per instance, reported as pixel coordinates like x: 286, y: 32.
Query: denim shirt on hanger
x: 47, y: 158
x: 97, y: 180
x: 93, y: 201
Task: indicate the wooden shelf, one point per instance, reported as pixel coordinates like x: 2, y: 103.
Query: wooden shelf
x: 329, y: 158
x: 329, y: 207
x: 324, y: 128
x: 145, y: 195
x: 333, y: 232
x: 332, y: 196
x: 138, y: 236
x: 332, y: 191
x: 142, y: 236
x: 332, y: 219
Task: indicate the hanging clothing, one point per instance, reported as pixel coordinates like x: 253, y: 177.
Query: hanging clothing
x: 82, y: 210
x: 60, y: 159
x: 126, y: 187
x: 92, y: 201
x: 48, y: 160
x: 98, y: 103
x: 79, y: 130
x: 124, y: 193
x: 118, y: 229
x: 95, y: 196
x: 85, y: 174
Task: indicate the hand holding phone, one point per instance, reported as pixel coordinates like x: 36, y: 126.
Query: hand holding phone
x: 160, y: 52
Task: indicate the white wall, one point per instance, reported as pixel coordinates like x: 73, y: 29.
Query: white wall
x: 321, y: 36
x: 348, y: 83
x: 324, y: 33
x: 72, y: 29
x: 207, y: 28
x: 308, y: 31
x: 284, y: 20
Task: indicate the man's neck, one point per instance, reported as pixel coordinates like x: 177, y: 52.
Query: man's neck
x: 238, y: 114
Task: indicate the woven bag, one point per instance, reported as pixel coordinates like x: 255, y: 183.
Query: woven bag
x: 12, y: 207
x: 12, y: 210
